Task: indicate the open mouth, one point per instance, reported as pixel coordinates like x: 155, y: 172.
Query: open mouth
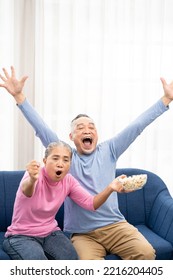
x: 87, y: 141
x: 58, y: 172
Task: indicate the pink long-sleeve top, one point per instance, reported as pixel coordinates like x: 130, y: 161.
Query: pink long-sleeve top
x: 35, y: 216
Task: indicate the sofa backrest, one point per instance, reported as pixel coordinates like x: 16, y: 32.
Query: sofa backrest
x: 135, y: 206
x: 138, y: 206
x: 9, y: 182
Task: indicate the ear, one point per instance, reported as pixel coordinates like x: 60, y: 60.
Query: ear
x: 71, y: 136
x: 44, y: 160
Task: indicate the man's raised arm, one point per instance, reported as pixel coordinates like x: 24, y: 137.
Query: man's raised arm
x: 15, y: 88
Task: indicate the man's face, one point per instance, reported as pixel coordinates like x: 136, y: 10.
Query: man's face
x: 58, y: 162
x: 84, y: 135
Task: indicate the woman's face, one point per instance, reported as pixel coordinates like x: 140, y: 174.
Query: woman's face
x: 57, y: 164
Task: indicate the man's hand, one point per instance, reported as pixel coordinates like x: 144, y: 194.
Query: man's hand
x: 12, y: 85
x: 117, y: 186
x: 168, y: 92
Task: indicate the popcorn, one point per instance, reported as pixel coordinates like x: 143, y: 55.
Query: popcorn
x: 134, y: 182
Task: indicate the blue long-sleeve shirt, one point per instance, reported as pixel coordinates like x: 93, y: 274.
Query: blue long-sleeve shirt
x: 96, y: 170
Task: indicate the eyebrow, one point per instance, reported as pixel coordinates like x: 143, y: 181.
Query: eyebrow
x: 84, y: 124
x: 55, y: 155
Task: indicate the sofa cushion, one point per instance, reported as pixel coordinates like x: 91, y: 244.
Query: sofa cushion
x: 3, y: 255
x: 164, y: 249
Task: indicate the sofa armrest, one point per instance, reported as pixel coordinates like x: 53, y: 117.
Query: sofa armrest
x: 161, y: 216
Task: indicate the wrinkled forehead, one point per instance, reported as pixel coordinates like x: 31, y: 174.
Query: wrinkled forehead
x: 57, y: 148
x: 60, y: 150
x: 82, y: 121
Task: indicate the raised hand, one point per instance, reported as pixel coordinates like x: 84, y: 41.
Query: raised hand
x: 11, y: 84
x: 168, y: 91
x: 33, y: 169
x: 28, y: 184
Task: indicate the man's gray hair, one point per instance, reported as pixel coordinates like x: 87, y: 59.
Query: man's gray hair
x: 77, y: 117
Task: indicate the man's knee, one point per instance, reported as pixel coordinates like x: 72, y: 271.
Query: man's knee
x: 149, y: 253
x: 144, y: 252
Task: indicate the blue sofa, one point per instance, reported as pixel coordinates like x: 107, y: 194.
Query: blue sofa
x: 149, y: 209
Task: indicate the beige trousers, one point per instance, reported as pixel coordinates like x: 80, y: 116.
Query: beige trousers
x: 121, y: 239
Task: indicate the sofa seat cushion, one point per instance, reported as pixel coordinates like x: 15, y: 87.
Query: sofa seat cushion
x: 3, y: 255
x: 163, y: 247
